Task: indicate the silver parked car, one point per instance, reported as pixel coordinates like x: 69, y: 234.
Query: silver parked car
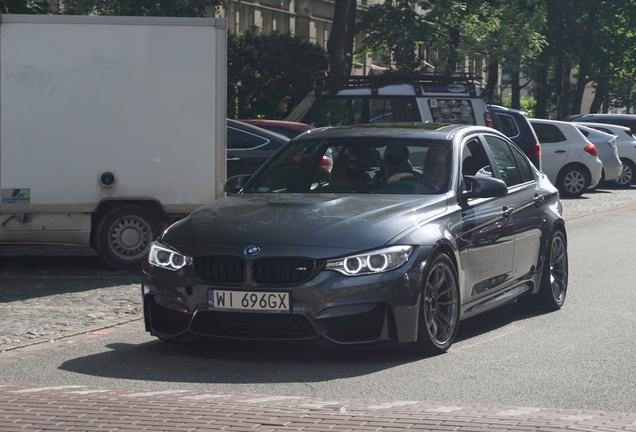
x: 607, y: 152
x: 626, y: 145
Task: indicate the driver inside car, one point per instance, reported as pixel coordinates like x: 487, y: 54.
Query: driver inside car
x: 435, y: 170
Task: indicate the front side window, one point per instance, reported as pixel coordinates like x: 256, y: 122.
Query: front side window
x: 504, y: 160
x: 372, y: 165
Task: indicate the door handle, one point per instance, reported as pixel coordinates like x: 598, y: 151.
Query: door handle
x: 233, y: 159
x: 559, y: 151
x: 538, y: 199
x: 507, y: 211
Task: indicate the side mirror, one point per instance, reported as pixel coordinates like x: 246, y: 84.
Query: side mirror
x: 483, y: 187
x: 235, y: 184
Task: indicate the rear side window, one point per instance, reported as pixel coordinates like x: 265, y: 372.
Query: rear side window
x: 452, y: 111
x: 547, y: 133
x: 524, y: 167
x: 508, y: 125
x: 389, y: 110
x: 349, y: 110
x: 238, y: 139
x: 339, y: 112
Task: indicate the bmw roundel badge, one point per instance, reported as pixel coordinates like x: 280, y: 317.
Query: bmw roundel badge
x: 252, y: 250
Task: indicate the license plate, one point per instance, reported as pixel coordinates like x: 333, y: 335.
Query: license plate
x: 249, y: 300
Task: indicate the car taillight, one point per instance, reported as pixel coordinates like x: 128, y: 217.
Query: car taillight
x: 488, y: 119
x: 537, y: 150
x: 326, y: 164
x: 591, y: 149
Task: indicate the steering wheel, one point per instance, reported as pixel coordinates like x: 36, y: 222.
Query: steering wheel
x: 421, y: 185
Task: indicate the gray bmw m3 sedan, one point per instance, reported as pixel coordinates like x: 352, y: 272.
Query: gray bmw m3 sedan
x: 363, y: 234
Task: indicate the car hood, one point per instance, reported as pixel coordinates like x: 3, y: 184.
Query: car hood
x: 352, y: 222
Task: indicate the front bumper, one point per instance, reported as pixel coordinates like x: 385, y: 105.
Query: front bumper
x: 344, y: 310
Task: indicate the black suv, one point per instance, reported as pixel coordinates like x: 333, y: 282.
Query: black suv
x: 515, y: 125
x: 627, y: 120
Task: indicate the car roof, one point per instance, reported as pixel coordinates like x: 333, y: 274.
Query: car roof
x: 439, y: 131
x: 256, y: 130
x: 301, y: 127
x: 499, y: 108
x: 591, y: 130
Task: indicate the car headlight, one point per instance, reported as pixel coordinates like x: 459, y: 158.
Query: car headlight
x: 164, y: 257
x: 374, y: 262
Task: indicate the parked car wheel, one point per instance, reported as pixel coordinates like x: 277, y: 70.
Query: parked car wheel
x: 554, y: 278
x: 573, y: 181
x: 626, y: 178
x: 124, y: 235
x: 439, y: 312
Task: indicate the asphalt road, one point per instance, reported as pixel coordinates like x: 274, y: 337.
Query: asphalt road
x: 581, y: 357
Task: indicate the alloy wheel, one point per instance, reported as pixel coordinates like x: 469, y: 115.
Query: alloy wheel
x: 626, y: 176
x: 558, y: 268
x: 441, y: 303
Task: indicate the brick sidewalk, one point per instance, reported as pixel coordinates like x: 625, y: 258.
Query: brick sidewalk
x: 78, y: 408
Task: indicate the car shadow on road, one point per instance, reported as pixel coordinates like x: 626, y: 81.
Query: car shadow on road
x: 248, y: 362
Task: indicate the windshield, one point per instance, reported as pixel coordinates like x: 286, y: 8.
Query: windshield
x: 358, y: 165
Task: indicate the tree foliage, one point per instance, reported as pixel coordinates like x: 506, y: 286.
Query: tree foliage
x: 24, y: 6
x: 264, y: 67
x: 557, y: 47
x: 394, y: 33
x: 167, y: 8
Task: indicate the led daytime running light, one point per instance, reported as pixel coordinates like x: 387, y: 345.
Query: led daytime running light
x: 373, y: 262
x: 163, y: 257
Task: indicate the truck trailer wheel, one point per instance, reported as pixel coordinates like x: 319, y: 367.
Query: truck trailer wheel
x: 124, y: 235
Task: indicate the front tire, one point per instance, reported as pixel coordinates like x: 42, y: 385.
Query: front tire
x: 439, y: 308
x: 124, y: 235
x: 573, y: 181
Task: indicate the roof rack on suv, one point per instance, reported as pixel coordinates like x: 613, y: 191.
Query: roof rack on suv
x: 323, y: 81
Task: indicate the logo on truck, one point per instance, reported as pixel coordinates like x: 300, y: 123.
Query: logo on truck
x: 16, y: 196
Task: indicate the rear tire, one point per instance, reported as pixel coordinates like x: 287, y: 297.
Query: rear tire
x: 124, y: 235
x: 554, y: 278
x: 628, y: 176
x: 439, y: 307
x: 573, y: 181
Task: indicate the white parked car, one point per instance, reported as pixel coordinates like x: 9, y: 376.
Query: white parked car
x: 626, y: 144
x: 607, y: 152
x: 568, y: 158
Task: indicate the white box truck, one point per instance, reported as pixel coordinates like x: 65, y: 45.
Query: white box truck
x: 110, y: 128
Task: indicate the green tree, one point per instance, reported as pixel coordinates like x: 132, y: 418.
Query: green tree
x: 168, y: 8
x: 340, y: 43
x: 263, y: 67
x: 24, y: 6
x: 504, y: 32
x: 394, y: 33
